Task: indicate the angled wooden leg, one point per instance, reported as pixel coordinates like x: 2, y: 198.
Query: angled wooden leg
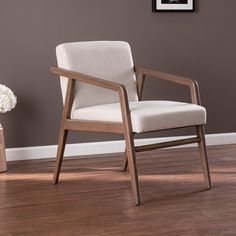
x: 131, y: 159
x: 129, y: 143
x: 60, y: 153
x: 125, y: 163
x: 63, y: 132
x: 203, y: 155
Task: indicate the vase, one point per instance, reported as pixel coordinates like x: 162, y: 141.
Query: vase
x: 3, y: 162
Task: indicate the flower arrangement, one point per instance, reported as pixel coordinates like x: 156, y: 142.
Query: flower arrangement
x: 8, y: 99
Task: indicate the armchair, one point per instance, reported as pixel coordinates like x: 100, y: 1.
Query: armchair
x: 101, y: 94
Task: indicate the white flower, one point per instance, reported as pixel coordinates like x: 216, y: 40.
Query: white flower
x: 7, y: 99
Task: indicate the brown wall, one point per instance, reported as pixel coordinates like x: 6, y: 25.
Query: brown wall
x: 200, y: 45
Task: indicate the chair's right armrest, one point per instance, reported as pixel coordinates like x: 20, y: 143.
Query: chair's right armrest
x: 192, y: 84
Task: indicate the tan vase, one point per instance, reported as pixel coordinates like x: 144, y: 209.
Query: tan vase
x: 3, y: 162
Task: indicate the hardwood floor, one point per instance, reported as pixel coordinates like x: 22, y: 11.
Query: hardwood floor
x: 94, y: 198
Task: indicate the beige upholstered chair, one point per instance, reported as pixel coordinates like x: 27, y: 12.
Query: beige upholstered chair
x: 101, y: 94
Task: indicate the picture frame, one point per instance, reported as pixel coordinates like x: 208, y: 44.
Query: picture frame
x: 173, y: 5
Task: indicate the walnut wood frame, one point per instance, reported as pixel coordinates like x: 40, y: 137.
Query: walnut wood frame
x: 125, y: 127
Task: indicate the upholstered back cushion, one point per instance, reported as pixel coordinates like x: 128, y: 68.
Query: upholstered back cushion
x: 109, y: 60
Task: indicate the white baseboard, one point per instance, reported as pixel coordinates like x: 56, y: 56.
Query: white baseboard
x: 41, y: 152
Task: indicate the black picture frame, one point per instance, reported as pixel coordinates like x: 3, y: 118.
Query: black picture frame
x: 173, y: 8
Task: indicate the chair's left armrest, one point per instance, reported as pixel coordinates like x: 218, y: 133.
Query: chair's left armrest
x: 76, y: 76
x: 192, y: 84
x: 87, y: 79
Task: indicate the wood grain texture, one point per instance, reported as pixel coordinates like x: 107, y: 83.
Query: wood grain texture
x: 94, y: 197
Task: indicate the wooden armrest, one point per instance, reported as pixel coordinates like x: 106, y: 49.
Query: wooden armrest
x: 87, y: 79
x: 192, y: 84
x: 75, y: 76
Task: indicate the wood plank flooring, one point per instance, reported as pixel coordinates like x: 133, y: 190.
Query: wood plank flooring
x: 94, y: 198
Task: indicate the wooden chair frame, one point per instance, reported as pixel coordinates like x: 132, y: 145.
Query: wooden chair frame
x: 125, y: 127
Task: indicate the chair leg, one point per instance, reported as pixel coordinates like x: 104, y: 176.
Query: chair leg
x: 60, y: 153
x: 125, y: 163
x: 131, y: 159
x: 203, y: 155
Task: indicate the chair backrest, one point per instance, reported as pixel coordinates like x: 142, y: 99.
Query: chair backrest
x: 109, y: 60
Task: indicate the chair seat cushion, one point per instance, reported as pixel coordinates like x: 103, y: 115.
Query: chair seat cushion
x: 147, y: 115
